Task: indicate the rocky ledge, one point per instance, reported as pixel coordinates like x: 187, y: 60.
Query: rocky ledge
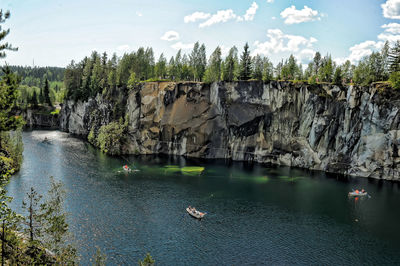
x: 348, y: 130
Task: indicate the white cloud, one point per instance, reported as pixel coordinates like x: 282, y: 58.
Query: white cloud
x: 294, y: 16
x: 389, y: 37
x: 360, y: 50
x: 170, y: 36
x: 219, y: 17
x: 392, y: 28
x: 270, y: 1
x: 391, y: 9
x: 273, y: 18
x: 196, y: 16
x: 139, y: 14
x: 183, y: 46
x: 280, y: 42
x: 123, y: 48
x: 251, y: 12
x: 391, y: 33
x: 306, y: 55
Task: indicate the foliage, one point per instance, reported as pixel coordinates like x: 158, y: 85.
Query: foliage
x: 113, y: 76
x: 111, y: 137
x: 3, y: 33
x: 245, y: 67
x: 8, y: 101
x: 395, y: 80
x: 213, y: 72
x: 147, y: 261
x: 230, y: 65
x: 46, y: 225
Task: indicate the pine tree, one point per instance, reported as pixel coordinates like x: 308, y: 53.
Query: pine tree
x: 245, y: 64
x: 258, y: 68
x: 8, y: 101
x: 394, y: 58
x: 213, y: 72
x: 3, y: 33
x: 34, y: 101
x: 230, y: 65
x: 161, y: 67
x: 46, y: 92
x: 268, y: 70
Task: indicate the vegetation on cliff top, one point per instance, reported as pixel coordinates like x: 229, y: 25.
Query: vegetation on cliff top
x: 109, y: 76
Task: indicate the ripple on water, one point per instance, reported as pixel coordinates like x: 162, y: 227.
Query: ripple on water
x: 255, y: 215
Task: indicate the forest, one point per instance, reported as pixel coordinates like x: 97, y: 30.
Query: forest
x: 101, y: 74
x: 39, y: 85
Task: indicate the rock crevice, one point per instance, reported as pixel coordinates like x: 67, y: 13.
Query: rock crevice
x: 349, y: 130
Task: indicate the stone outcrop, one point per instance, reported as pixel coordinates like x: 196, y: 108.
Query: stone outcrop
x: 34, y: 119
x: 348, y: 130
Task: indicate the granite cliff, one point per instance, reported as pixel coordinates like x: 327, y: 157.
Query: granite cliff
x: 349, y: 130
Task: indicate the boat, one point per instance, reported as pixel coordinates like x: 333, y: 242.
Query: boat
x: 195, y: 213
x: 357, y: 193
x: 126, y: 168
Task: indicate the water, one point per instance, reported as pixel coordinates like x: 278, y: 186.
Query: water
x: 256, y: 215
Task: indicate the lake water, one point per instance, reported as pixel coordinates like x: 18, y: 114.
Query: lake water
x: 255, y: 214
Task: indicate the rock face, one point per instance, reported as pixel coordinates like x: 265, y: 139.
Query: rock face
x: 349, y: 130
x: 39, y: 120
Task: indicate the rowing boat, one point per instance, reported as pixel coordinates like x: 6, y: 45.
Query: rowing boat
x: 194, y: 213
x: 357, y: 194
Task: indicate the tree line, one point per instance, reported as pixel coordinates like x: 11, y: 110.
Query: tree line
x: 101, y: 74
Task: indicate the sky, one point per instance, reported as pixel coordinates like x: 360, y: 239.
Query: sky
x: 54, y: 32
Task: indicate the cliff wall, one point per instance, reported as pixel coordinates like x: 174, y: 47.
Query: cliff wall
x: 348, y: 130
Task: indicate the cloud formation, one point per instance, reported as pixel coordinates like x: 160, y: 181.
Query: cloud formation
x: 279, y: 42
x: 391, y: 9
x: 221, y: 16
x: 196, y: 16
x: 170, y: 36
x: 250, y: 13
x: 294, y: 16
x: 183, y: 46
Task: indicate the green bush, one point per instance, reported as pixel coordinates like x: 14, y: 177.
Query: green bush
x: 395, y: 80
x: 111, y: 138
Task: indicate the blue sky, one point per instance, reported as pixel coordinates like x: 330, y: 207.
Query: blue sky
x: 53, y: 32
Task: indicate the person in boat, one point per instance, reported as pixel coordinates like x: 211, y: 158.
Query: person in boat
x: 362, y: 190
x: 357, y: 192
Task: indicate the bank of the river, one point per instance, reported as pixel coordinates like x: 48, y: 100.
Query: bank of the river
x: 255, y: 214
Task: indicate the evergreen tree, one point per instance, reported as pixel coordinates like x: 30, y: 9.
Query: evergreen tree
x: 258, y: 68
x: 8, y: 101
x: 245, y: 64
x: 161, y: 67
x: 34, y: 220
x: 34, y: 101
x: 46, y: 92
x: 337, y: 77
x: 394, y: 58
x: 230, y: 65
x: 317, y: 62
x: 41, y: 96
x: 385, y: 57
x: 268, y: 70
x: 213, y: 72
x: 3, y: 33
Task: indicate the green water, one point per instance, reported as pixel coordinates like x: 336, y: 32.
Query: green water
x: 255, y: 214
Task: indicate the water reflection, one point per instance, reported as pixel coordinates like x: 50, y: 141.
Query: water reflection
x: 256, y: 214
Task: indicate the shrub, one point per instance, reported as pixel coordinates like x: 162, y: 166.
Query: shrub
x: 111, y: 138
x: 395, y: 80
